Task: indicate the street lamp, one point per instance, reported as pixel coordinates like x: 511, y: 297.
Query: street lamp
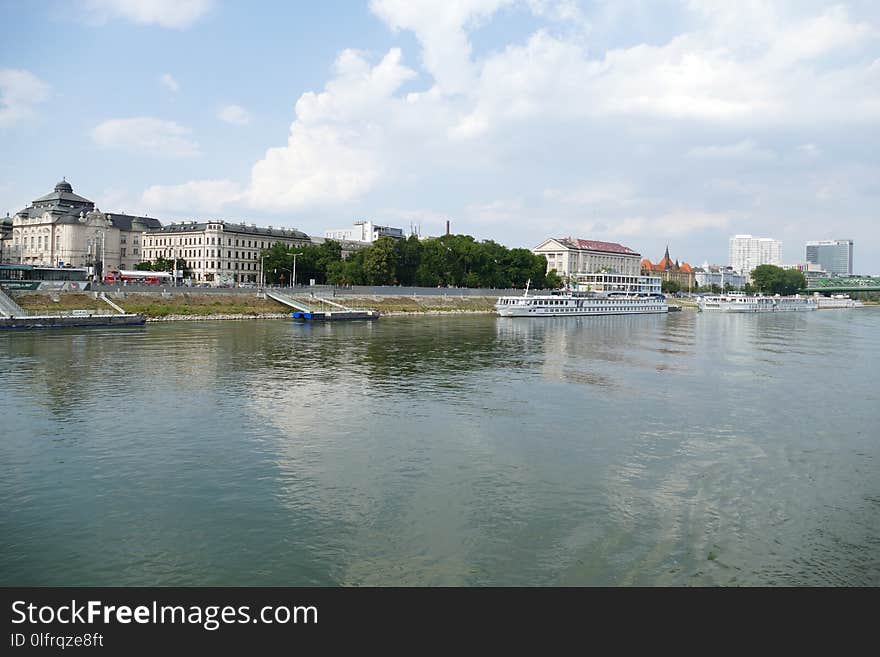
x: 293, y: 275
x: 90, y: 260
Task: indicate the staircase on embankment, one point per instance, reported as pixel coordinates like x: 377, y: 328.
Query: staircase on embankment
x: 8, y: 307
x: 315, y: 308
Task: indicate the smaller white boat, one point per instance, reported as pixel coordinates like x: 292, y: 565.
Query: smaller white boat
x: 742, y: 303
x: 837, y: 301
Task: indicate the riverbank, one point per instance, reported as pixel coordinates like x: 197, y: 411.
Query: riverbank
x: 190, y: 306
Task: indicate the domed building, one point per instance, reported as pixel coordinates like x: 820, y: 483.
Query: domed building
x: 667, y: 270
x: 64, y: 229
x: 5, y: 236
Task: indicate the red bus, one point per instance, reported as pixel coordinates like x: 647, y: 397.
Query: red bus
x: 141, y: 277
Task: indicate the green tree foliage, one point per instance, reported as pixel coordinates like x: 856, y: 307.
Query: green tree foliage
x: 794, y: 281
x: 312, y: 262
x: 407, y: 256
x: 450, y: 260
x: 670, y: 287
x: 770, y: 279
x: 380, y: 262
x: 553, y: 280
x: 164, y: 264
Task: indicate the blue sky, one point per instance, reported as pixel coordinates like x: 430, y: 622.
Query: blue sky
x: 643, y: 123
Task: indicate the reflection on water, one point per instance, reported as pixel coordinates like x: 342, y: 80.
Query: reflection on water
x: 682, y: 449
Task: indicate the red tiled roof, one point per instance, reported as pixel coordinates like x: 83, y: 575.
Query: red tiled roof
x: 593, y: 245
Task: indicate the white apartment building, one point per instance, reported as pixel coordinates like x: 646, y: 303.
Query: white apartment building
x: 721, y: 276
x: 363, y: 231
x: 63, y: 228
x: 219, y: 251
x: 570, y: 256
x: 747, y: 252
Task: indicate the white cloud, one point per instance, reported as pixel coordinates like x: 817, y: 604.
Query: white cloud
x: 145, y: 135
x: 169, y: 82
x: 671, y: 224
x: 810, y: 150
x: 615, y: 192
x: 234, y: 114
x: 335, y: 151
x: 193, y: 196
x: 746, y: 149
x: 20, y: 92
x: 441, y: 30
x: 495, y: 212
x: 175, y: 14
x: 620, y: 132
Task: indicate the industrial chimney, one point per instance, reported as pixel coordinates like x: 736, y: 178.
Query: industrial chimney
x: 447, y: 226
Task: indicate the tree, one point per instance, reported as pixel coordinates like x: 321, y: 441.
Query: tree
x: 793, y: 281
x: 770, y: 279
x: 379, y: 262
x: 670, y: 287
x: 552, y: 280
x: 407, y: 255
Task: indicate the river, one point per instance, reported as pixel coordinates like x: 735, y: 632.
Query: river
x: 688, y: 449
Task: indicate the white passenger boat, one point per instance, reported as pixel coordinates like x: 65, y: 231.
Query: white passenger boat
x: 837, y: 301
x: 572, y: 304
x: 742, y: 303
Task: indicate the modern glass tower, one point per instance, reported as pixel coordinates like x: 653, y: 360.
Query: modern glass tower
x: 834, y: 256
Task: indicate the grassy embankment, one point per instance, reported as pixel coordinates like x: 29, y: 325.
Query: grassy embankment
x: 190, y: 304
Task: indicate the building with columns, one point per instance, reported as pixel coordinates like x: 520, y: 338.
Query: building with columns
x: 570, y: 256
x: 218, y: 252
x: 64, y: 229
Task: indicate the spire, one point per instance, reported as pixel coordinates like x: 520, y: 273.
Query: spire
x: 666, y: 255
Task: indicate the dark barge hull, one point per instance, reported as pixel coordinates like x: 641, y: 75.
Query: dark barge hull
x: 71, y: 322
x: 335, y: 315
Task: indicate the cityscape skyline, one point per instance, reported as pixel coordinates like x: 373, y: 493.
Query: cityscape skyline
x: 20, y: 235
x: 514, y: 120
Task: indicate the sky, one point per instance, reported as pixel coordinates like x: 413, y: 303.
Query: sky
x: 643, y: 123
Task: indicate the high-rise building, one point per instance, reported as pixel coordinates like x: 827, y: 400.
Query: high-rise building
x: 834, y: 256
x: 747, y: 252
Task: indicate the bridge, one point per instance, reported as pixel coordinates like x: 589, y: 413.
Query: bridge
x: 838, y: 284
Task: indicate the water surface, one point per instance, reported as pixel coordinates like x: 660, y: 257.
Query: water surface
x: 688, y: 449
